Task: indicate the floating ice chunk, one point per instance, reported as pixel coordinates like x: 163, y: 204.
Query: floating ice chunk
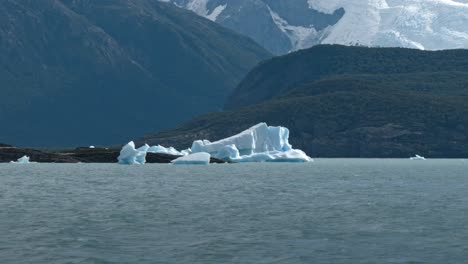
x: 131, y: 156
x: 163, y: 150
x: 23, y: 160
x: 140, y: 158
x: 417, y: 157
x: 201, y: 158
x: 294, y: 155
x: 257, y: 144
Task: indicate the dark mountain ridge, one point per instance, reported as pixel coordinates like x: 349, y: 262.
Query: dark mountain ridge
x: 279, y: 75
x: 78, y: 72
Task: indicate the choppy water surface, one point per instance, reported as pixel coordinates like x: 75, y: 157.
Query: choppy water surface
x: 330, y: 211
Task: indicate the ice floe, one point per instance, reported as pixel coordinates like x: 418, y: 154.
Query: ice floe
x: 201, y: 158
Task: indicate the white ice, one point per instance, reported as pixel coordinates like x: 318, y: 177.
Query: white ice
x: 171, y: 150
x: 420, y: 24
x: 131, y: 156
x: 417, y: 157
x: 201, y: 158
x: 23, y: 160
x: 260, y: 143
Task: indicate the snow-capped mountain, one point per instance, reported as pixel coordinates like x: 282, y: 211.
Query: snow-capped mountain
x: 421, y: 24
x: 287, y: 25
x: 280, y: 26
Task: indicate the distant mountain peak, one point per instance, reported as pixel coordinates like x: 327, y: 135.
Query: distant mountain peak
x: 283, y: 26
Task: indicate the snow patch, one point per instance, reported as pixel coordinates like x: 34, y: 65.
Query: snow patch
x: 200, y: 7
x: 216, y: 12
x: 300, y: 37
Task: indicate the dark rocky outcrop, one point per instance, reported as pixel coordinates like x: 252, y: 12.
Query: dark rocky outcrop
x: 83, y: 155
x: 8, y: 154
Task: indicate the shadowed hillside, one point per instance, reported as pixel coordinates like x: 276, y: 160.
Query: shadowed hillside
x: 78, y: 72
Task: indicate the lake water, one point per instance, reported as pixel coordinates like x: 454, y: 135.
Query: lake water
x: 329, y: 211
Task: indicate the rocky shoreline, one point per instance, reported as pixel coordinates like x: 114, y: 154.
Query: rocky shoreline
x: 79, y: 155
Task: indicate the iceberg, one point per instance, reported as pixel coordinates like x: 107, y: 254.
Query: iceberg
x: 129, y: 155
x: 417, y: 157
x: 23, y: 160
x: 171, y: 150
x: 294, y: 155
x: 201, y: 158
x: 260, y: 143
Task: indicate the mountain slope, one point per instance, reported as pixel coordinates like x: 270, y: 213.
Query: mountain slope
x: 278, y: 75
x: 288, y: 25
x: 341, y: 113
x: 278, y: 25
x: 78, y: 72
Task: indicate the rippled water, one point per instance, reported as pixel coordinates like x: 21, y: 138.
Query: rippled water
x: 330, y: 211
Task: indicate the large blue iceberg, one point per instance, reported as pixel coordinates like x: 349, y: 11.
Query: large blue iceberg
x: 260, y: 143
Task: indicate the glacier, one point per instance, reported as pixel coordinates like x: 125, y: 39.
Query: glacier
x: 201, y: 158
x: 426, y: 25
x: 260, y: 143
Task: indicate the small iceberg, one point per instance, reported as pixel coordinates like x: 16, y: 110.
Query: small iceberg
x: 417, y: 157
x: 129, y: 155
x: 23, y: 160
x: 260, y: 143
x: 201, y: 158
